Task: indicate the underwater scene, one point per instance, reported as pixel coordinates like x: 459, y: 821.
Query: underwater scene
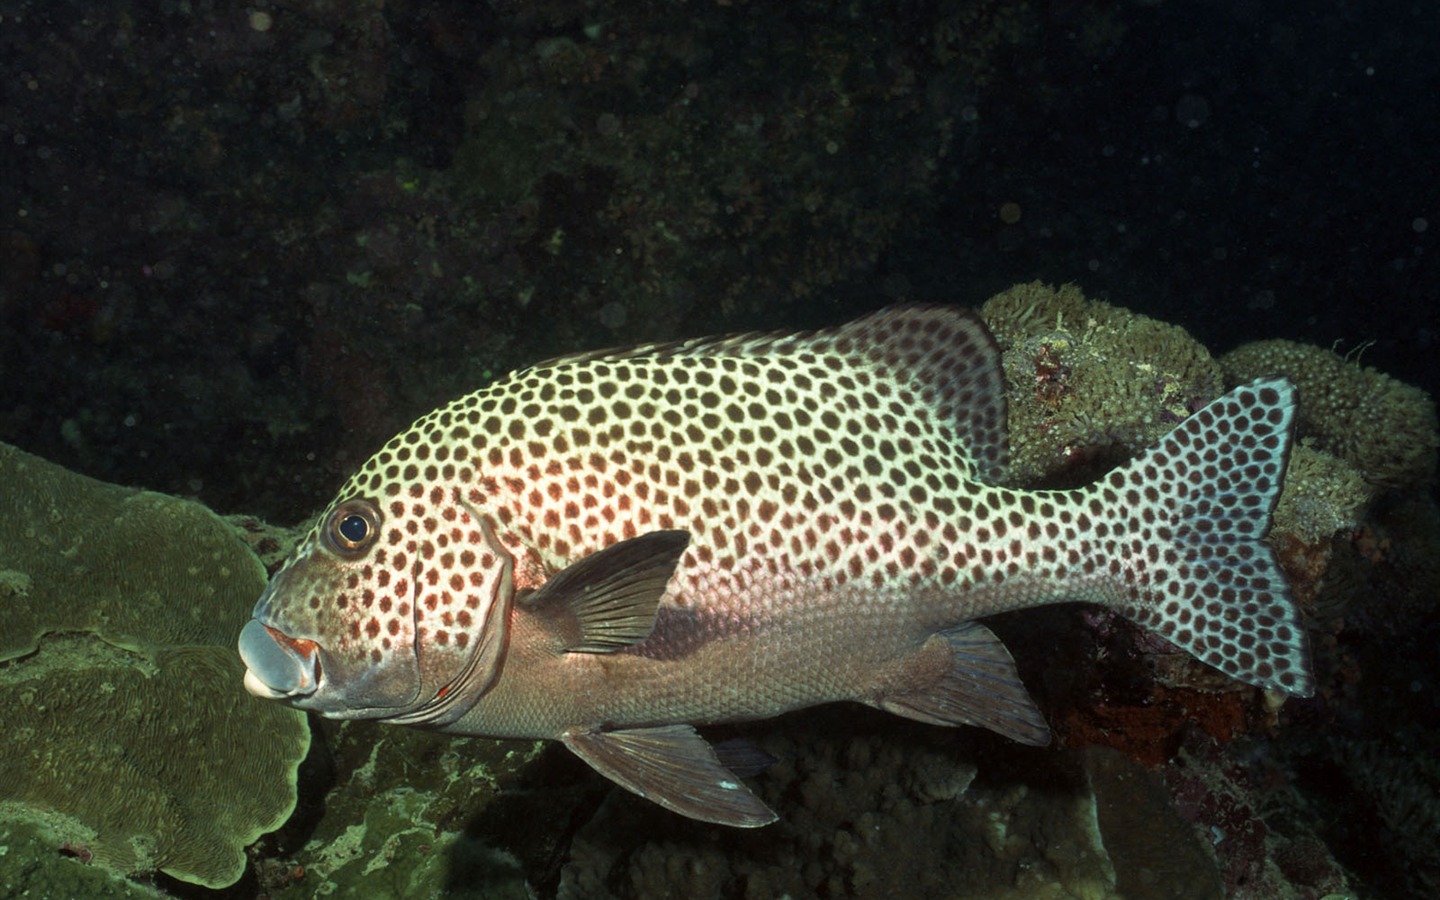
x: 719, y: 449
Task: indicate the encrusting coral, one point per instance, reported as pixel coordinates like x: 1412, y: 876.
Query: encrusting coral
x: 127, y: 739
x: 1323, y: 495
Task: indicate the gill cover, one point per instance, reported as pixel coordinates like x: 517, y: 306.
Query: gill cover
x: 453, y: 680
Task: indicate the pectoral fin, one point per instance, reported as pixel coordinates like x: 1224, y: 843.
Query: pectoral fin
x: 966, y: 677
x: 608, y: 600
x: 673, y: 766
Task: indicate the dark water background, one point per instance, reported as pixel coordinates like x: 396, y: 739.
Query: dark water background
x: 238, y: 254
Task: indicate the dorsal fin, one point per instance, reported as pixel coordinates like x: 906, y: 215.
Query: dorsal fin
x: 951, y: 357
x: 944, y: 352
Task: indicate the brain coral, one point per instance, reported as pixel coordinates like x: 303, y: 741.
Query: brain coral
x: 1090, y: 382
x: 1384, y: 428
x: 127, y: 736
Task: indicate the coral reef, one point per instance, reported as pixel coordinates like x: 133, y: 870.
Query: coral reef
x: 866, y: 810
x: 1367, y: 757
x: 127, y: 741
x: 244, y: 245
x: 1090, y: 384
x: 31, y: 867
x: 1323, y: 496
x: 395, y: 804
x: 1400, y: 784
x: 1168, y: 781
x: 871, y: 808
x: 1260, y: 832
x: 130, y: 746
x: 1149, y: 801
x: 1360, y: 547
x: 1385, y: 428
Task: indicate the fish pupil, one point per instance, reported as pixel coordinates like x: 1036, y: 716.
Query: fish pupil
x: 353, y: 528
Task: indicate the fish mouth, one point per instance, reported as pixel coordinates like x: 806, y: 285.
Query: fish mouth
x: 277, y: 666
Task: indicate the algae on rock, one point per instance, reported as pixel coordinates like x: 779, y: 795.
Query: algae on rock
x: 128, y: 736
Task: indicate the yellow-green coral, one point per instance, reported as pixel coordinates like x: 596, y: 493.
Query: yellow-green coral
x: 1090, y: 381
x: 127, y: 734
x: 30, y: 867
x: 1091, y: 384
x: 1322, y: 495
x: 1384, y: 428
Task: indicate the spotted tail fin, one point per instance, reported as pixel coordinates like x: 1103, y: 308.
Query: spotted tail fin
x: 1195, y: 510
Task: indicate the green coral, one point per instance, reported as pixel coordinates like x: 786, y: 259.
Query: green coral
x: 391, y: 824
x: 1384, y: 428
x: 1322, y: 495
x: 1090, y: 382
x: 30, y: 867
x: 127, y: 735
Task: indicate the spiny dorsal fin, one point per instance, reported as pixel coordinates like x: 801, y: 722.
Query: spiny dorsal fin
x: 608, y: 599
x: 675, y: 767
x: 945, y: 353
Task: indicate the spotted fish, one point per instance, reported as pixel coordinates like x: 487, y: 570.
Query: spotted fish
x: 608, y: 549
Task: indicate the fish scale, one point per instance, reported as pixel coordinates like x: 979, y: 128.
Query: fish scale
x: 611, y: 547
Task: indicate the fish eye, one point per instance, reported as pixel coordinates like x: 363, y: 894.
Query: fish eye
x: 352, y: 527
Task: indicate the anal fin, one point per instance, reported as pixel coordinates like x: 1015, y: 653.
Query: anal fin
x: 965, y: 676
x: 673, y: 766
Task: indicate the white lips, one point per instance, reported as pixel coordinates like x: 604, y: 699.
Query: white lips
x: 254, y: 685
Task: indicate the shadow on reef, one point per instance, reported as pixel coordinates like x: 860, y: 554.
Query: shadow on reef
x: 871, y: 807
x: 536, y: 820
x: 1368, y: 759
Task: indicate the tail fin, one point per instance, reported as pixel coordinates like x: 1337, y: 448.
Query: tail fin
x: 1196, y: 510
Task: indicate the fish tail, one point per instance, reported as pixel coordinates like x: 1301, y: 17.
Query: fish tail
x: 1189, y: 548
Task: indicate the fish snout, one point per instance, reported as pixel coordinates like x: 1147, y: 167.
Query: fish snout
x: 277, y: 666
